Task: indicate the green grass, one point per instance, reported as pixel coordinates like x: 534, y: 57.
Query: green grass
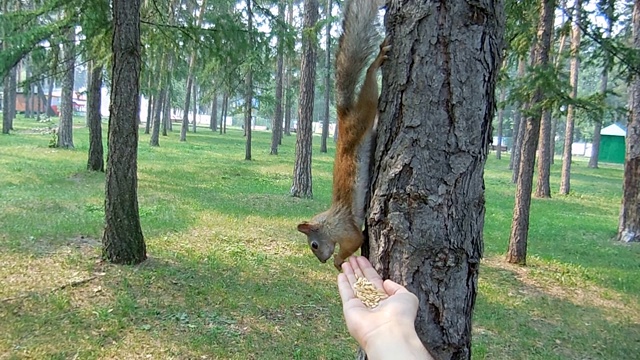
x: 229, y: 277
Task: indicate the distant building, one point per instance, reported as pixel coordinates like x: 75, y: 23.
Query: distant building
x: 612, y: 144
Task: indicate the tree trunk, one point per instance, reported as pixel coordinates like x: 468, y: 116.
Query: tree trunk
x: 50, y: 112
x: 223, y: 112
x: 288, y: 101
x: 123, y: 242
x: 6, y: 107
x: 12, y: 93
x: 147, y: 125
x: 518, y: 129
x: 187, y: 102
x: 195, y: 106
x: 157, y: 116
x: 276, y: 131
x: 65, y: 128
x: 27, y: 94
x: 302, y: 185
x: 166, y: 110
x: 426, y: 212
x: 565, y: 180
x: 213, y: 121
x: 327, y: 81
x: 543, y: 189
x: 503, y: 96
x: 517, y: 252
x: 248, y: 87
x: 629, y: 223
x: 94, y: 119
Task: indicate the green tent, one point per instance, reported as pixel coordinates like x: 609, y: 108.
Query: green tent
x: 612, y: 144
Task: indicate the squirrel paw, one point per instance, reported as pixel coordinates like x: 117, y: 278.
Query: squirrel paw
x: 337, y: 262
x: 382, y: 55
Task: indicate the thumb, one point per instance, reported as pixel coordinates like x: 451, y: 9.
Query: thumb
x: 391, y: 287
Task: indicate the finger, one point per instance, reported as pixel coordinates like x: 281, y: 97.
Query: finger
x: 345, y: 289
x: 369, y: 272
x: 391, y: 287
x: 347, y: 270
x: 353, y: 261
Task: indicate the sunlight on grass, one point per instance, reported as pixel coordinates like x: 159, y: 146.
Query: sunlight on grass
x: 228, y: 275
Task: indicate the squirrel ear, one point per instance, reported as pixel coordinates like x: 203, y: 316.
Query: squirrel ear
x: 306, y: 228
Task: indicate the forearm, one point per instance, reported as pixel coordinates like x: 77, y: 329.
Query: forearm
x: 401, y: 344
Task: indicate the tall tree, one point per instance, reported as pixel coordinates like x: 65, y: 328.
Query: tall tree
x: 123, y: 242
x: 426, y: 212
x: 65, y: 127
x: 629, y: 223
x: 604, y: 79
x: 276, y: 132
x: 213, y: 120
x: 288, y: 101
x: 95, y: 161
x: 517, y: 252
x: 565, y: 179
x: 6, y: 106
x: 248, y: 98
x: 302, y: 186
x: 543, y: 188
x: 327, y: 80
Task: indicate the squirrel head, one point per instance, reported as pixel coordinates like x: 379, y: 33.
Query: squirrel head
x: 319, y: 242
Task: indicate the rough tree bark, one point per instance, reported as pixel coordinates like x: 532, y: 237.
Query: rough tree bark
x: 302, y: 169
x: 94, y: 119
x: 123, y: 242
x: 288, y: 98
x: 565, y: 178
x: 427, y: 209
x: 517, y: 252
x: 629, y: 224
x: 327, y: 81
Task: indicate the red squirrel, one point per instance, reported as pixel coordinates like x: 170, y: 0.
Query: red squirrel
x: 342, y: 223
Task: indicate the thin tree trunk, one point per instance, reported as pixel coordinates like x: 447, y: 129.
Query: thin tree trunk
x: 543, y: 189
x: 302, y: 169
x: 147, y: 125
x: 503, y: 96
x: 223, y: 112
x: 213, y: 121
x: 166, y: 110
x: 565, y: 180
x: 517, y: 252
x: 248, y: 88
x: 13, y: 87
x: 65, y: 128
x: 425, y: 228
x: 95, y: 160
x: 518, y: 128
x: 327, y: 81
x: 288, y: 98
x: 50, y: 112
x: 276, y: 131
x: 155, y: 131
x: 6, y: 122
x: 123, y: 242
x: 195, y: 106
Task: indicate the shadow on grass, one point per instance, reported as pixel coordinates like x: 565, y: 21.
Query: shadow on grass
x: 179, y: 307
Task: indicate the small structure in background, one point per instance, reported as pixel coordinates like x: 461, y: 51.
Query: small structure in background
x: 612, y: 144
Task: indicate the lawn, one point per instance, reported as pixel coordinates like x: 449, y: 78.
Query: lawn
x: 229, y: 277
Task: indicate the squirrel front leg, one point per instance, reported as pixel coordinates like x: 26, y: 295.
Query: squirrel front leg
x: 348, y: 246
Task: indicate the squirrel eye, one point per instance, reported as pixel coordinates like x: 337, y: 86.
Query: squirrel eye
x: 314, y: 245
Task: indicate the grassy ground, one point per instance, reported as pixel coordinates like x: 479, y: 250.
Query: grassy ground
x: 229, y: 277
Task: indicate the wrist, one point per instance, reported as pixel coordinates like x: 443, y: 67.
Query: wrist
x: 399, y: 342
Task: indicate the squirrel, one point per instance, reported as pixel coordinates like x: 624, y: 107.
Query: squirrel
x: 342, y: 223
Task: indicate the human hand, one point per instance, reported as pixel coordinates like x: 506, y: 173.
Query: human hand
x: 387, y: 328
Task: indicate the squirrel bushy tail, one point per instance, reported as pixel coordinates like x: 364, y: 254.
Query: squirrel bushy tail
x: 357, y: 43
